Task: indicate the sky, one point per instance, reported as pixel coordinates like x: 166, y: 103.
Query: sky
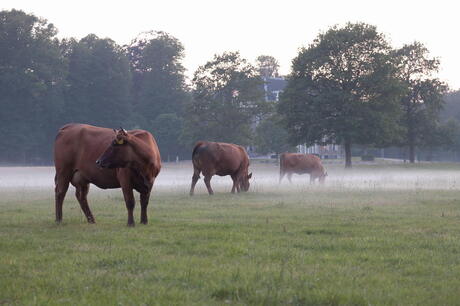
x: 276, y: 28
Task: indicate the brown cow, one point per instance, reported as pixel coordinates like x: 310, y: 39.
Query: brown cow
x: 302, y: 163
x: 222, y: 159
x: 107, y: 158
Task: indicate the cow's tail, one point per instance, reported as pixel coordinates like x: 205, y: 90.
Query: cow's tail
x: 281, y: 157
x: 195, y: 161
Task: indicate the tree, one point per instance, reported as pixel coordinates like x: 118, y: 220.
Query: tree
x: 158, y: 74
x: 267, y: 66
x: 159, y: 90
x: 423, y: 98
x: 99, y: 82
x: 271, y: 136
x: 342, y: 89
x: 32, y: 72
x: 227, y: 96
x: 167, y: 131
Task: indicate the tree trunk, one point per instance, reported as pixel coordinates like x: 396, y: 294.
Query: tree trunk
x: 347, y: 154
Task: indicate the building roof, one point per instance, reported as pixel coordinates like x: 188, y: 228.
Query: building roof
x: 272, y: 88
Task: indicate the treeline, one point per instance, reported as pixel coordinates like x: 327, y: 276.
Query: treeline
x: 348, y: 87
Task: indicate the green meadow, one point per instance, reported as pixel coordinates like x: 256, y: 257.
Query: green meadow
x: 375, y: 235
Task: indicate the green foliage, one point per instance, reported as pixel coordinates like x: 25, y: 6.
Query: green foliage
x: 167, y: 129
x: 99, y: 82
x: 159, y: 90
x: 158, y: 75
x: 227, y: 97
x: 342, y: 89
x: 451, y: 107
x: 32, y: 72
x: 45, y: 83
x: 267, y: 66
x: 271, y: 136
x: 423, y: 98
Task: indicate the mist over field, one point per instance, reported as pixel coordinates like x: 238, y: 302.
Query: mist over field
x: 176, y: 177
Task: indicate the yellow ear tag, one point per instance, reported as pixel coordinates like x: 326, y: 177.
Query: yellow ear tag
x: 120, y: 142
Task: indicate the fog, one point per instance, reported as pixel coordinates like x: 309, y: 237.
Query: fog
x: 177, y: 177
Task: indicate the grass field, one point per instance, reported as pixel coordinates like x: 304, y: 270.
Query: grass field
x: 375, y: 235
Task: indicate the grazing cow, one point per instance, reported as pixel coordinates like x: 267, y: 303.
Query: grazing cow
x: 302, y: 163
x: 107, y: 158
x: 222, y: 159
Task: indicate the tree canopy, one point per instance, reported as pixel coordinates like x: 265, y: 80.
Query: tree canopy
x: 267, y: 66
x: 342, y: 89
x: 227, y: 97
x: 98, y: 82
x: 32, y: 73
x: 423, y: 95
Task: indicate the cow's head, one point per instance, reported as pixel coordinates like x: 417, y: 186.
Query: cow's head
x: 117, y: 154
x: 244, y: 182
x: 322, y: 177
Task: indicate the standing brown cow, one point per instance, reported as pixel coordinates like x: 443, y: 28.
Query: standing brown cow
x: 222, y: 159
x: 302, y: 163
x: 107, y: 158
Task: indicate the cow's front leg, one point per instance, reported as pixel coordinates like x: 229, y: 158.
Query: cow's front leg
x: 130, y: 203
x: 144, y: 203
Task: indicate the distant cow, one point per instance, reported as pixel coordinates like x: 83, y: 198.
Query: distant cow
x: 302, y: 163
x: 219, y: 158
x: 107, y: 158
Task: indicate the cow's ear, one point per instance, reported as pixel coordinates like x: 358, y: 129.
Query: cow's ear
x: 250, y: 175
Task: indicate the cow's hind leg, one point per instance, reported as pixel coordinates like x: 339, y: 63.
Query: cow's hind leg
x: 195, y: 178
x: 289, y: 176
x: 81, y: 192
x: 207, y: 181
x: 61, y: 185
x: 144, y: 203
x: 235, y: 184
x: 282, y: 173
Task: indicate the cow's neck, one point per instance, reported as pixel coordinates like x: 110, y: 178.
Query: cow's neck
x: 145, y: 158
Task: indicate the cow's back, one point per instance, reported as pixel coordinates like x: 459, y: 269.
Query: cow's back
x: 300, y: 163
x: 76, y: 149
x: 79, y: 143
x: 219, y: 158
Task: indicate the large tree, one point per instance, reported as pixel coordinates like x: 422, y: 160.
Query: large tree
x: 227, y: 98
x: 423, y: 98
x: 32, y: 72
x: 342, y: 89
x: 99, y: 79
x: 158, y: 74
x: 159, y: 89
